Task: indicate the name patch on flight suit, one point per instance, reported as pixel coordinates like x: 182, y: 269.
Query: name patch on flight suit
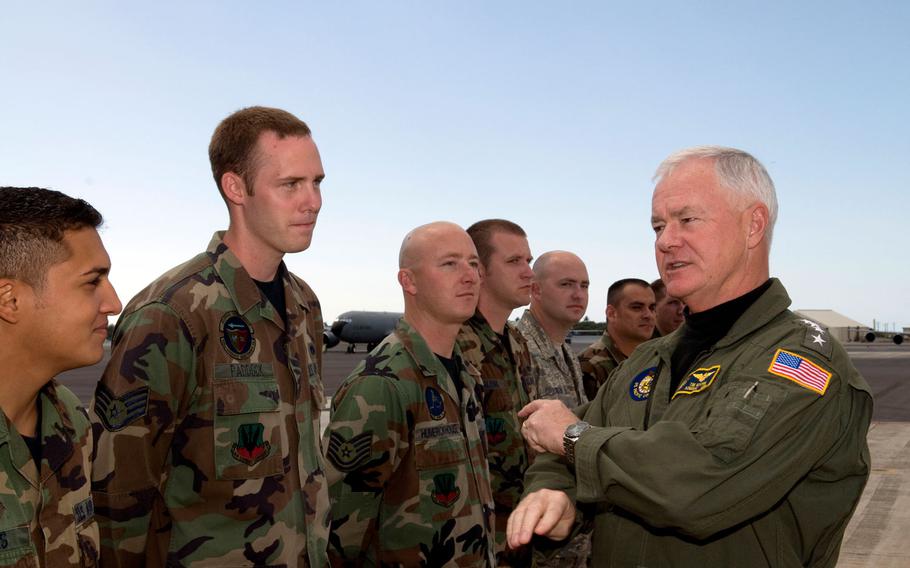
x: 349, y: 454
x: 435, y: 404
x: 237, y: 336
x: 699, y: 380
x: 445, y: 491
x: 117, y: 412
x: 640, y: 387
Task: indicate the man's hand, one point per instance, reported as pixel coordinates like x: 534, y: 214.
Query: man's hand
x: 545, y: 423
x: 545, y: 512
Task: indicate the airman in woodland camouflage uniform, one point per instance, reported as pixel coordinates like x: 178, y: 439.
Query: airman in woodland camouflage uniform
x: 207, y: 415
x: 501, y: 354
x: 559, y: 298
x: 630, y: 322
x: 405, y: 445
x: 55, y: 299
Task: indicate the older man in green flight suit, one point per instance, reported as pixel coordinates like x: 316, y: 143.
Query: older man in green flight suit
x: 739, y: 440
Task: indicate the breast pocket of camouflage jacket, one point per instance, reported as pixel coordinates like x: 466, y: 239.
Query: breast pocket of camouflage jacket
x: 248, y: 428
x: 16, y: 546
x: 733, y: 416
x: 443, y: 476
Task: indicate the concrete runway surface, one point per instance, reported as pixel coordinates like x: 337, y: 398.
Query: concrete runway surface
x: 877, y: 536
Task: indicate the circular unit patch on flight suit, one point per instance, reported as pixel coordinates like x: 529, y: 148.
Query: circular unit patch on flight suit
x: 237, y: 336
x: 435, y: 404
x: 640, y: 387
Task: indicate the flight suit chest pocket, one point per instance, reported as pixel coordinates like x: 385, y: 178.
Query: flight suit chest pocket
x: 443, y: 476
x: 734, y: 415
x: 247, y: 428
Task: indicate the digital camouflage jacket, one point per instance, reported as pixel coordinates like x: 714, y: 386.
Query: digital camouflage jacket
x: 597, y: 362
x: 757, y: 459
x: 46, y: 513
x: 558, y: 373
x: 207, y: 424
x: 407, y: 466
x: 558, y: 377
x: 508, y: 385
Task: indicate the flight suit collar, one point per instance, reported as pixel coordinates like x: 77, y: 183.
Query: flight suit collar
x: 57, y: 434
x: 241, y: 286
x: 768, y: 306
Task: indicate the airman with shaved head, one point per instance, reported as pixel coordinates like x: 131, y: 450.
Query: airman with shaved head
x: 405, y: 445
x: 559, y: 298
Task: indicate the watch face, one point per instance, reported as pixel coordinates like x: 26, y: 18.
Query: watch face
x: 576, y: 429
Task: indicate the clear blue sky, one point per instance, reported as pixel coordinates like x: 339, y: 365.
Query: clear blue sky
x: 551, y: 114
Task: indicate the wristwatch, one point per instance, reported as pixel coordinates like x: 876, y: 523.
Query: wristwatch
x: 573, y: 432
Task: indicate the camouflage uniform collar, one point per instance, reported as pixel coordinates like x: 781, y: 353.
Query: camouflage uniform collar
x: 534, y: 333
x: 485, y: 331
x: 56, y: 424
x: 427, y: 361
x: 608, y: 344
x: 241, y: 286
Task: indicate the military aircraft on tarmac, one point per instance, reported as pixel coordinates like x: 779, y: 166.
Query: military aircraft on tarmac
x: 361, y: 327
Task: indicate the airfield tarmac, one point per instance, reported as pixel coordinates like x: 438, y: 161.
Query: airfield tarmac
x: 877, y: 534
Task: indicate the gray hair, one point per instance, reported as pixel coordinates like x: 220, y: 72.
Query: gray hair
x: 736, y: 170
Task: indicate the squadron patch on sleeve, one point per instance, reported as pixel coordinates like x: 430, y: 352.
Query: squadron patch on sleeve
x: 117, y: 412
x: 800, y: 370
x: 698, y: 380
x: 237, y: 336
x: 349, y: 454
x: 435, y: 404
x: 640, y: 387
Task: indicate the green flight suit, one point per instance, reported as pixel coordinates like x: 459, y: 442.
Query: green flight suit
x: 46, y: 512
x: 758, y: 459
x: 407, y: 465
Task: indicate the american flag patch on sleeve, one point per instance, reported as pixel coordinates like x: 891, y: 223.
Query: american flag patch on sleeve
x: 799, y: 370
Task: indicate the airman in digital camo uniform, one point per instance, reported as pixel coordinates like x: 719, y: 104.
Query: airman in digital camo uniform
x: 208, y: 413
x: 405, y: 446
x: 55, y: 298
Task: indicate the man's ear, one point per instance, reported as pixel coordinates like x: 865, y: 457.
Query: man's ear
x: 406, y: 279
x: 10, y: 299
x: 611, y: 312
x: 234, y: 188
x: 535, y: 289
x: 758, y: 224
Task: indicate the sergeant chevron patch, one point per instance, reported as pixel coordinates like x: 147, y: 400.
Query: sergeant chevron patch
x: 117, y: 412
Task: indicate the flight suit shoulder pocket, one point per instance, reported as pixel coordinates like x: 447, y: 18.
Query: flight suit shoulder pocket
x: 247, y: 428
